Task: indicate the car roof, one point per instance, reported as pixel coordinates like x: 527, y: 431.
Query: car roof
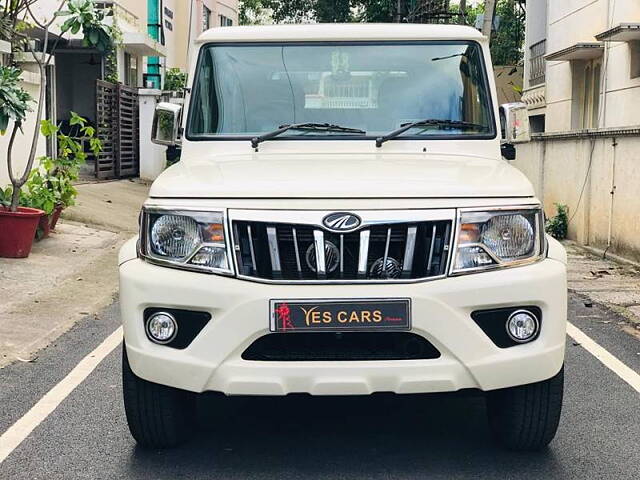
x: 328, y: 32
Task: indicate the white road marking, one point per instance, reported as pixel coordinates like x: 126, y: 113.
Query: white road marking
x: 608, y: 360
x: 19, y: 431
x: 15, y: 435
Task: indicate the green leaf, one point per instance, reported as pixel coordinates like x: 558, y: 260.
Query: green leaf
x: 47, y: 128
x: 68, y: 23
x: 76, y: 119
x: 4, y: 123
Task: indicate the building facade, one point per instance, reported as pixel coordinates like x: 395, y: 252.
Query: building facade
x: 582, y: 88
x: 184, y: 20
x: 568, y: 46
x: 155, y: 36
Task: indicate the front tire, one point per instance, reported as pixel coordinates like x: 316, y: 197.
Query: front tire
x: 158, y: 416
x: 526, y: 418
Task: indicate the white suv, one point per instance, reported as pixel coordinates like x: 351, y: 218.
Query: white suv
x: 343, y: 222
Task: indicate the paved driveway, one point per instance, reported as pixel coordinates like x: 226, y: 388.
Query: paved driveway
x: 438, y: 436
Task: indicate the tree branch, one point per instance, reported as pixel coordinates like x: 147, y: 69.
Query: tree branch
x: 46, y: 24
x: 17, y: 184
x: 33, y: 52
x: 16, y: 127
x: 55, y: 46
x: 34, y: 19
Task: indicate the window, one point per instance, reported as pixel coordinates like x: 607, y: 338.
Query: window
x: 130, y: 70
x: 245, y: 90
x: 225, y: 21
x: 537, y: 123
x: 586, y: 94
x: 206, y: 18
x: 634, y: 54
x: 537, y: 67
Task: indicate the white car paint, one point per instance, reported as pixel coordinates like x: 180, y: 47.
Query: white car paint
x: 323, y: 175
x: 343, y: 176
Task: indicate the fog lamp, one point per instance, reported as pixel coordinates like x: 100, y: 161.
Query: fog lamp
x: 162, y: 327
x: 522, y: 326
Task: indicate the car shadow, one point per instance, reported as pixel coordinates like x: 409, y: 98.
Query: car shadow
x: 378, y: 436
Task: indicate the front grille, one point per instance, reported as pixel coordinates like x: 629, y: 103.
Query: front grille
x: 377, y: 252
x: 344, y: 346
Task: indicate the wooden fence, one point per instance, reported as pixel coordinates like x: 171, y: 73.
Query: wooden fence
x: 118, y: 129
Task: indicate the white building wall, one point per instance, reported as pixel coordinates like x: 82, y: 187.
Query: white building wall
x: 574, y: 21
x: 22, y: 144
x: 593, y: 172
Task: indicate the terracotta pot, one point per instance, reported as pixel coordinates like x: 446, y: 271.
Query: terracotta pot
x: 55, y: 216
x: 44, y: 227
x: 17, y: 231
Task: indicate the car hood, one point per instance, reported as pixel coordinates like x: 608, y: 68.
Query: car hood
x: 390, y: 175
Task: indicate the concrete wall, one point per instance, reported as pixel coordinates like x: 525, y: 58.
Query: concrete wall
x: 177, y: 38
x: 228, y: 8
x: 152, y: 156
x: 185, y: 32
x: 557, y: 165
x: 22, y: 144
x: 536, y: 21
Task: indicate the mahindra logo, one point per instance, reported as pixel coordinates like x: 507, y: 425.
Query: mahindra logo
x: 341, y: 221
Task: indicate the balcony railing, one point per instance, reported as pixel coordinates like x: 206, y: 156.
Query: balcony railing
x: 537, y: 67
x: 114, y: 9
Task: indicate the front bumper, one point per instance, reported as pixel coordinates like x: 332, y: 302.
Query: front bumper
x: 440, y: 309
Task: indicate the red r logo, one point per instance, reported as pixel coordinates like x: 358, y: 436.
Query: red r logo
x: 283, y: 313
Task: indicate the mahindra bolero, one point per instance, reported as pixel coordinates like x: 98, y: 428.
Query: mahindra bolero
x: 344, y: 220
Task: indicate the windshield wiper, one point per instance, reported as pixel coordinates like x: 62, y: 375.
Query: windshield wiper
x: 425, y: 123
x: 310, y: 126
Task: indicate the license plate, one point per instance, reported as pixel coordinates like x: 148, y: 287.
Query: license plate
x: 340, y: 315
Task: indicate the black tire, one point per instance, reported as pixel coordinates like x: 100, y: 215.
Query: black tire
x: 158, y: 416
x: 526, y: 418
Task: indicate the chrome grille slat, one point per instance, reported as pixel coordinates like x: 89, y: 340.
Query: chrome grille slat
x: 318, y: 242
x: 252, y: 249
x: 341, y: 255
x: 296, y: 248
x: 274, y: 252
x: 407, y: 263
x: 433, y: 241
x: 363, y: 255
x: 386, y: 251
x: 445, y: 250
x: 391, y: 251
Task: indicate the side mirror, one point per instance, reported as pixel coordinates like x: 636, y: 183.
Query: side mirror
x: 166, y: 124
x: 514, y: 119
x: 508, y: 151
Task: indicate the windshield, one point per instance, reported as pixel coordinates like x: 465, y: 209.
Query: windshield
x: 244, y: 90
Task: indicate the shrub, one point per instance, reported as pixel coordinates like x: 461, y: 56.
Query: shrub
x: 175, y: 80
x: 558, y: 225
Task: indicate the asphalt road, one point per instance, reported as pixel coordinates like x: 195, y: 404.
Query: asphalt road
x: 436, y: 436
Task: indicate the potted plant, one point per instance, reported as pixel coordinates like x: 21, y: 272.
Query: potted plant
x: 41, y: 196
x: 64, y: 169
x: 18, y: 222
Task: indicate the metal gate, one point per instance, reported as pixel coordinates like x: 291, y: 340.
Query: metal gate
x: 117, y: 113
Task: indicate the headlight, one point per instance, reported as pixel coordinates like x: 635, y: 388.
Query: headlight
x: 185, y: 239
x: 498, y: 238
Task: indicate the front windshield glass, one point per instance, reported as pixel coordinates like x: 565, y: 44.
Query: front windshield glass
x: 244, y: 90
